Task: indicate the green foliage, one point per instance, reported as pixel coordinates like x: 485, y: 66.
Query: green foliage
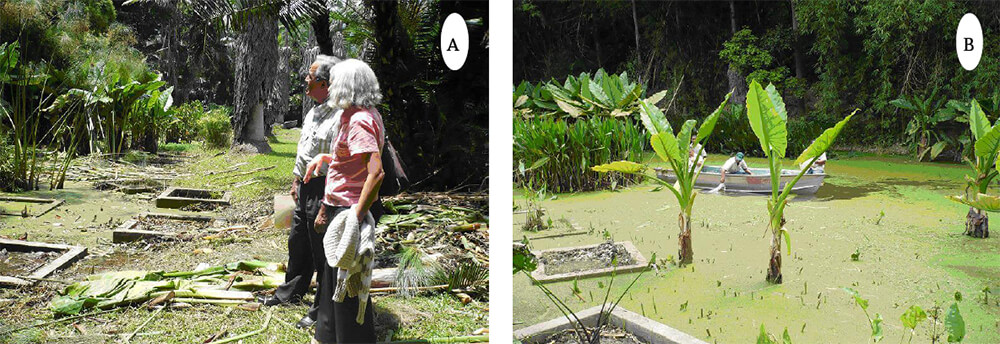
x: 676, y: 151
x: 100, y: 13
x: 182, y: 126
x: 767, y: 338
x: 876, y: 324
x: 985, y: 165
x: 913, y: 316
x: 571, y: 149
x: 524, y: 261
x: 583, y: 96
x: 954, y: 324
x: 214, y: 128
x: 745, y: 53
x: 923, y: 132
x: 767, y: 116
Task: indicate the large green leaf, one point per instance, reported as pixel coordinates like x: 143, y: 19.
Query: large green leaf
x: 684, y: 137
x: 954, y: 324
x: 656, y: 97
x: 903, y: 104
x: 620, y: 166
x: 665, y: 145
x: 978, y: 122
x: 988, y: 144
x: 765, y: 121
x: 763, y: 337
x: 653, y: 119
x: 600, y: 97
x: 981, y: 202
x: 709, y: 124
x: 877, y: 327
x: 779, y: 104
x: 937, y: 148
x: 823, y: 142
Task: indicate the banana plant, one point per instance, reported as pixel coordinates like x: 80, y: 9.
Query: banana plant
x: 922, y: 130
x: 986, y: 169
x: 768, y: 118
x: 602, y: 94
x: 673, y: 149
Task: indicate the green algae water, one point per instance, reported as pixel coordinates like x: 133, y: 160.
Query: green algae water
x: 889, y: 211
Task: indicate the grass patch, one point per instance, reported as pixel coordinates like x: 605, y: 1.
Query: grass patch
x: 249, y: 187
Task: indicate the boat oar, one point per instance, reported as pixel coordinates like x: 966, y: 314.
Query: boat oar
x: 721, y: 187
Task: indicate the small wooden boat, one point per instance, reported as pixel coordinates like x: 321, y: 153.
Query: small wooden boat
x: 758, y: 182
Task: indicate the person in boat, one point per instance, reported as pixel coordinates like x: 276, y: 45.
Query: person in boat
x: 696, y: 155
x: 735, y: 165
x: 817, y: 167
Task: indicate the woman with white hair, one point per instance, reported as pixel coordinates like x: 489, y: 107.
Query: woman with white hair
x: 352, y: 183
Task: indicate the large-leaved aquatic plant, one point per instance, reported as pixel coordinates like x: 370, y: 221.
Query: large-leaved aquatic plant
x: 673, y: 149
x: 768, y: 118
x: 987, y: 145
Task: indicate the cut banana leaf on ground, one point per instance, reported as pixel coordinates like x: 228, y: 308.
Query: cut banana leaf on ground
x: 229, y: 284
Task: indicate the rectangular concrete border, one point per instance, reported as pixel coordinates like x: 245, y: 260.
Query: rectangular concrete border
x: 541, y: 277
x: 72, y: 254
x: 127, y: 232
x: 52, y: 204
x: 642, y: 327
x: 164, y: 200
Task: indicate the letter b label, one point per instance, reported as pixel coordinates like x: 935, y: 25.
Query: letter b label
x: 969, y: 41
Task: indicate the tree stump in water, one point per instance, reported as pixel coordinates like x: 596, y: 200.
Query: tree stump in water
x: 977, y: 224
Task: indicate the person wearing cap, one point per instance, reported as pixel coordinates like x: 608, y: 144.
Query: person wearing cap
x: 817, y: 167
x: 735, y: 164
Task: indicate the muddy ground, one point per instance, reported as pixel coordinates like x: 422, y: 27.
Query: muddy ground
x: 891, y: 211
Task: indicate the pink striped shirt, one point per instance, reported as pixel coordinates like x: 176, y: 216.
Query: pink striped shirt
x: 361, y: 131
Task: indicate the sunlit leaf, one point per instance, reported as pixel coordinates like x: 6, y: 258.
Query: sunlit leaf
x: 981, y: 202
x: 913, y: 316
x: 937, y: 148
x: 765, y: 121
x: 779, y: 104
x: 653, y: 119
x: 823, y: 142
x: 665, y: 145
x: 620, y: 166
x: 978, y: 122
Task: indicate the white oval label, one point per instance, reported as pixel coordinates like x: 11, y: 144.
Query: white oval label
x: 969, y: 41
x: 454, y: 41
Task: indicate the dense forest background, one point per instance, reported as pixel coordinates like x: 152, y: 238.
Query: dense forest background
x: 113, y: 76
x: 826, y: 57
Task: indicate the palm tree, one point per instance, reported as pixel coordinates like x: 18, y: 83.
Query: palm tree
x: 255, y: 23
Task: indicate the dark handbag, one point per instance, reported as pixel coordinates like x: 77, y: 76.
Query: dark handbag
x: 394, y: 180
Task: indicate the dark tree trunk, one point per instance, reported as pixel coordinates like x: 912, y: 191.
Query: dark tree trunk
x: 256, y: 63
x: 321, y: 28
x: 277, y: 103
x: 977, y: 224
x: 737, y: 82
x: 685, y: 254
x: 774, y: 265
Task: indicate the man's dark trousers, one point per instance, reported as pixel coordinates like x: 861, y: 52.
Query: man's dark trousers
x: 301, y: 241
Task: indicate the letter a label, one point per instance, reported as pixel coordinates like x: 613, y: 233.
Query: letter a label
x: 454, y: 41
x: 969, y: 41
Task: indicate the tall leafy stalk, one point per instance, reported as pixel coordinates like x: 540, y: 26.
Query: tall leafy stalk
x: 986, y: 169
x: 768, y: 118
x: 675, y: 151
x: 28, y: 93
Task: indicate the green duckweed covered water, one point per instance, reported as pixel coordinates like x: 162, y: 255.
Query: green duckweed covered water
x: 914, y: 254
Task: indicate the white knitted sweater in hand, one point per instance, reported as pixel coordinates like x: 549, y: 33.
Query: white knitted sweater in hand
x: 350, y: 247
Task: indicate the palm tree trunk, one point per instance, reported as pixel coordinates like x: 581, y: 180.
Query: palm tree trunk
x: 774, y: 267
x: 256, y: 65
x: 977, y: 224
x: 685, y: 254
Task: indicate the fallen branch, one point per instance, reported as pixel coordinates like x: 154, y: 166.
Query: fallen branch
x: 267, y: 323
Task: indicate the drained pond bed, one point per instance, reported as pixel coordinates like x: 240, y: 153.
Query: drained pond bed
x: 604, y: 255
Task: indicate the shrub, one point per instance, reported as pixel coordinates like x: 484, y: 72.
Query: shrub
x: 183, y: 125
x: 214, y: 129
x: 566, y: 151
